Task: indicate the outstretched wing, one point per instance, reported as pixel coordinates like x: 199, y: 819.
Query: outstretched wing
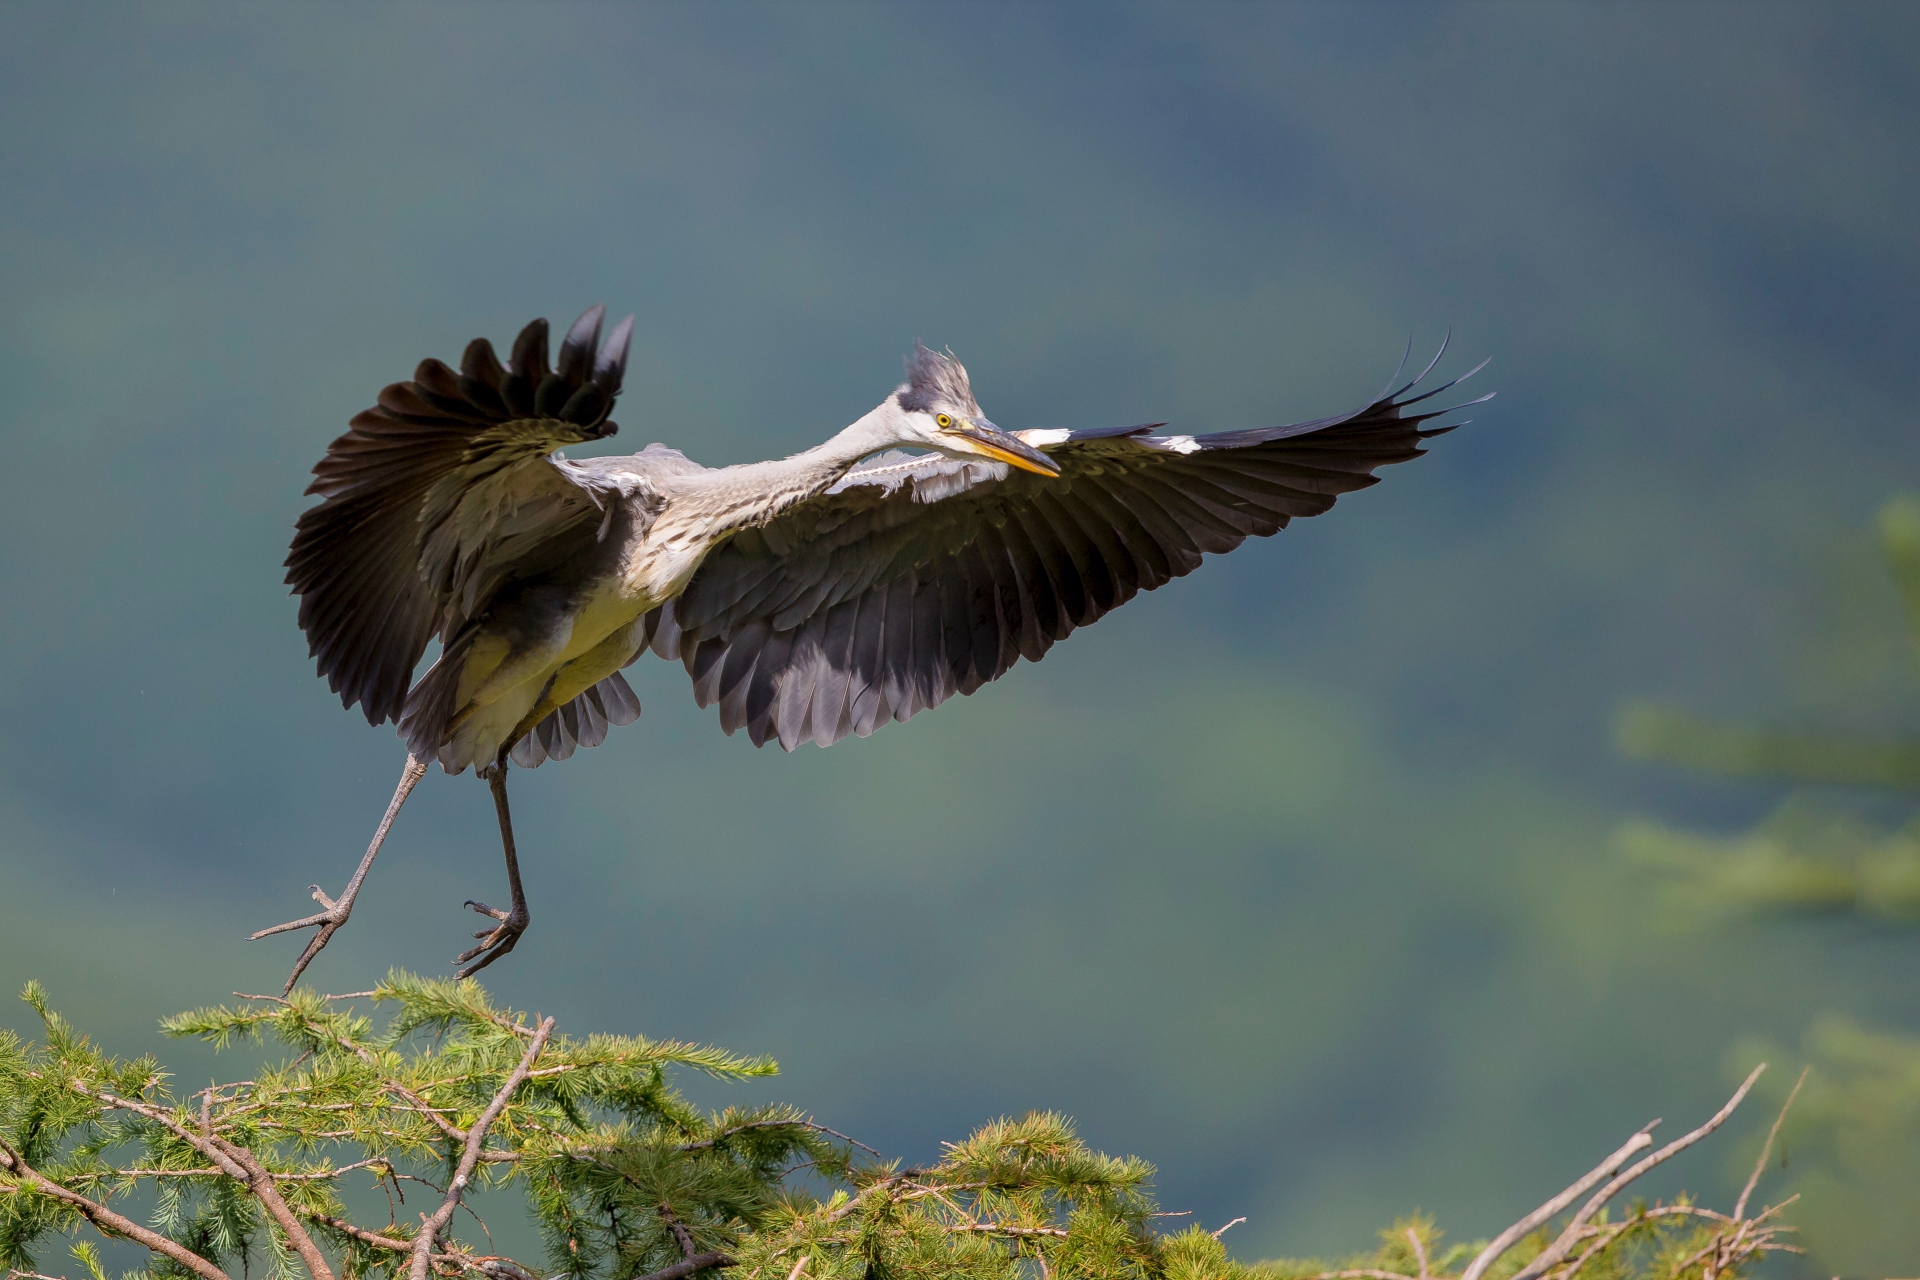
x: 439, y: 491
x: 916, y: 579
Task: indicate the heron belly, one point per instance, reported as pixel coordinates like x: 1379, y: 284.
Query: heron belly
x: 607, y: 608
x: 518, y: 681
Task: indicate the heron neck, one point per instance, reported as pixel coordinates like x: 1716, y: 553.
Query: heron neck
x: 762, y: 490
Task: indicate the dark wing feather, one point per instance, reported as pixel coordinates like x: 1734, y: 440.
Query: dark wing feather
x: 916, y: 578
x: 433, y: 493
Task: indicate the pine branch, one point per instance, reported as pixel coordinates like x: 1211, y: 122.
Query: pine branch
x: 106, y: 1219
x: 430, y: 1228
x: 237, y: 1163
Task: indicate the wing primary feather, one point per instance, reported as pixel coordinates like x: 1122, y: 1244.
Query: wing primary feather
x: 1445, y: 386
x: 770, y: 670
x: 833, y: 687
x: 1037, y: 605
x: 869, y: 644
x: 1200, y: 519
x: 1096, y: 581
x: 981, y: 620
x: 791, y: 714
x: 1444, y: 340
x: 550, y: 396
x: 733, y: 700
x: 1175, y: 539
x: 1150, y: 558
x: 1386, y: 392
x: 954, y: 609
x: 928, y: 672
x: 742, y: 646
x: 530, y: 352
x: 1005, y: 608
x: 577, y: 348
x: 1108, y: 547
x: 610, y: 369
x: 704, y: 664
x: 481, y: 364
x: 1069, y: 590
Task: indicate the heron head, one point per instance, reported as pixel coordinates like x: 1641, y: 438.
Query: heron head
x: 942, y: 415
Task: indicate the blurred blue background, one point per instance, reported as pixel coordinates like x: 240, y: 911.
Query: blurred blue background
x: 1292, y: 877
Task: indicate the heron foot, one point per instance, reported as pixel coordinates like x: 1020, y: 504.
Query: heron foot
x: 327, y: 922
x: 494, y: 942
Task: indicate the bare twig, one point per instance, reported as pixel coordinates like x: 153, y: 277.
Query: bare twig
x: 1519, y: 1230
x: 430, y: 1228
x: 1004, y: 1229
x: 1564, y: 1244
x: 1603, y: 1237
x: 1419, y: 1251
x: 820, y: 1128
x: 322, y: 1175
x: 491, y: 1266
x: 1223, y: 1230
x: 689, y: 1266
x: 236, y: 1162
x: 1760, y: 1165
x: 724, y: 1134
x: 362, y: 1234
x: 106, y: 1219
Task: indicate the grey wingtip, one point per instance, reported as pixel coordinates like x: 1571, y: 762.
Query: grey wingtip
x: 610, y: 368
x: 589, y: 321
x: 1387, y: 391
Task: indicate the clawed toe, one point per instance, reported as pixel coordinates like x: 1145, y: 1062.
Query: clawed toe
x: 495, y: 942
x: 492, y: 946
x: 327, y: 923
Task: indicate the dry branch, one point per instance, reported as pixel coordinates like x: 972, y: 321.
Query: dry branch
x: 430, y: 1228
x: 689, y: 1266
x: 236, y: 1162
x: 106, y: 1219
x: 1521, y: 1229
x: 1766, y: 1150
x: 1559, y: 1249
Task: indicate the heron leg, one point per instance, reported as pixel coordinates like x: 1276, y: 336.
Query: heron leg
x: 501, y: 939
x: 335, y: 915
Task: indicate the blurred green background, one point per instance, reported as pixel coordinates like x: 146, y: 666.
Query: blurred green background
x: 1294, y: 877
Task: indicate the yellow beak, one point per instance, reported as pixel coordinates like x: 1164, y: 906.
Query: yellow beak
x: 989, y: 441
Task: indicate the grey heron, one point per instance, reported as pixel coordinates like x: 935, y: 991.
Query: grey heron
x: 828, y: 593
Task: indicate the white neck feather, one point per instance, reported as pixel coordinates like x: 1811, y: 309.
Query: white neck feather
x: 754, y: 493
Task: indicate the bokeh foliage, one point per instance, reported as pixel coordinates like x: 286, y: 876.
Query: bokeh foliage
x: 1821, y: 852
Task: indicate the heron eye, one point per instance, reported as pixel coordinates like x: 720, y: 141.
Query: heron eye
x: 943, y: 420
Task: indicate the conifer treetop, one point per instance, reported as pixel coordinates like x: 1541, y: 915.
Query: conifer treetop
x: 453, y: 1098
